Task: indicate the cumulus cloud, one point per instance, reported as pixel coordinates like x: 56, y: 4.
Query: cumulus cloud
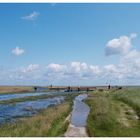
x: 133, y: 35
x: 74, y: 70
x: 17, y: 51
x: 110, y: 68
x: 134, y: 54
x: 30, y: 68
x: 132, y: 62
x: 121, y: 45
x: 126, y: 71
x: 27, y: 73
x: 32, y: 16
x: 56, y: 67
x: 95, y: 69
x: 78, y: 66
x: 128, y: 68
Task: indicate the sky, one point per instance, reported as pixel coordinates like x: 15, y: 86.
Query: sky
x: 69, y: 44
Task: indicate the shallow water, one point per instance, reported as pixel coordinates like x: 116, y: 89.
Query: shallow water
x: 22, y: 95
x: 80, y: 111
x: 41, y: 89
x: 27, y: 108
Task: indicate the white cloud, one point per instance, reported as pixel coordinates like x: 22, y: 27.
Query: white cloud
x: 131, y: 62
x: 133, y: 35
x: 95, y: 69
x: 128, y: 68
x: 111, y: 68
x: 29, y: 73
x: 121, y: 45
x: 78, y: 72
x: 78, y: 67
x: 74, y: 71
x: 113, y: 72
x: 17, y: 51
x: 30, y: 68
x: 56, y: 67
x: 134, y: 54
x: 32, y: 16
x: 126, y: 71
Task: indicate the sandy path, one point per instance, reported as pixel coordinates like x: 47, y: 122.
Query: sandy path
x: 73, y: 131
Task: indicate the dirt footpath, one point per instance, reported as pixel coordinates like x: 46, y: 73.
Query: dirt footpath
x: 73, y: 131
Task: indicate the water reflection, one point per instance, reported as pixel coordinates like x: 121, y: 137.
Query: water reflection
x: 27, y: 108
x: 22, y: 95
x: 80, y: 111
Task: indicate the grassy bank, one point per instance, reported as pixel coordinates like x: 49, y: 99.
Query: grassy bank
x: 130, y: 97
x: 112, y: 115
x: 49, y: 122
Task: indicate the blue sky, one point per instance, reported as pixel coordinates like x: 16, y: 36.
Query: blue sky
x: 68, y: 44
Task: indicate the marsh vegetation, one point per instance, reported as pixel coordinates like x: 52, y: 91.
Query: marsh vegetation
x: 114, y: 113
x: 48, y: 122
x: 45, y: 115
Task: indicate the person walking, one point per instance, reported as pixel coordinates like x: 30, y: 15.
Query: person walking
x: 109, y: 86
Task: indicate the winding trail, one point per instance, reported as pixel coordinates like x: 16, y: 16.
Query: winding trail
x: 78, y: 117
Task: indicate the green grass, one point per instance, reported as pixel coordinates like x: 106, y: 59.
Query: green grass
x: 130, y: 97
x: 112, y: 116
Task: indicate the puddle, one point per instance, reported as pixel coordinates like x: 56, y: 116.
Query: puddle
x: 80, y: 111
x: 27, y: 108
x: 22, y: 95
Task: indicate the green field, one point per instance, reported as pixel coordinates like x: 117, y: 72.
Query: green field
x: 114, y: 113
